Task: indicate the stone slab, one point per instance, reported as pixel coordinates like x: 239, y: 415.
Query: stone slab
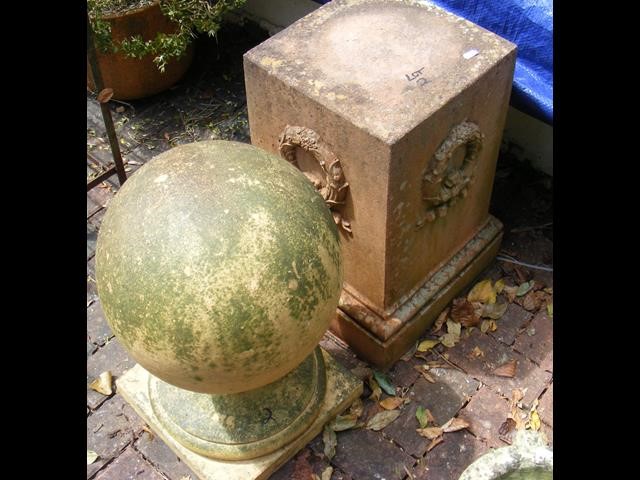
x: 450, y: 458
x: 365, y: 454
x: 536, y: 341
x: 98, y: 329
x: 443, y: 398
x: 545, y: 407
x: 509, y: 326
x: 112, y: 357
x: 129, y: 466
x: 157, y: 452
x: 342, y: 390
x: 486, y: 412
x: 527, y: 376
x: 109, y: 430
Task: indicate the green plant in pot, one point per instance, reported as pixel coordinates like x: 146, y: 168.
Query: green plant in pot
x: 146, y: 46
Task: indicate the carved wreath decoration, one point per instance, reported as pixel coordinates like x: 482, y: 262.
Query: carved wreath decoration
x: 444, y: 184
x: 334, y: 187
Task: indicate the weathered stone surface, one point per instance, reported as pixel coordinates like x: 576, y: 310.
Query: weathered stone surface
x: 129, y: 466
x: 443, y: 398
x: 361, y: 452
x: 394, y: 91
x: 513, y: 320
x: 402, y: 374
x: 536, y: 342
x: 111, y: 357
x: 97, y: 326
x: 305, y: 462
x: 545, y: 407
x: 340, y: 351
x: 157, y: 452
x: 496, y: 354
x: 449, y: 459
x: 92, y: 291
x: 90, y: 348
x: 92, y: 238
x: 92, y: 206
x: 109, y: 430
x: 486, y: 412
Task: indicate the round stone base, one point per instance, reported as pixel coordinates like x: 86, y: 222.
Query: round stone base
x: 245, y: 425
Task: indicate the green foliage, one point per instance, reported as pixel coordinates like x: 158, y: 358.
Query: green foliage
x: 191, y: 16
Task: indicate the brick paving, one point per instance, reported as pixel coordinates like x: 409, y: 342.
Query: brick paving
x: 127, y: 450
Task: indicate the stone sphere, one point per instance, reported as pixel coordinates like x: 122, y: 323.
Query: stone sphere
x: 218, y: 267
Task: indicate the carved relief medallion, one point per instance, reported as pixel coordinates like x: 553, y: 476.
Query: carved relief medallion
x: 443, y: 183
x: 333, y: 186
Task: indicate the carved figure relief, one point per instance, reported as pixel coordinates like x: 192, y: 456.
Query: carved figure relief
x: 333, y: 187
x: 444, y: 184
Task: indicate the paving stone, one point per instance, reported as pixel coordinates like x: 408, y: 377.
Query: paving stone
x: 90, y: 348
x: 97, y: 327
x: 129, y: 466
x: 486, y: 412
x: 92, y: 206
x: 402, y: 374
x: 100, y: 196
x: 162, y: 457
x: 340, y: 351
x: 92, y: 291
x: 547, y: 432
x: 365, y: 454
x: 545, y: 407
x: 528, y: 375
x: 536, y: 342
x: 92, y: 237
x: 443, y: 398
x: 301, y: 463
x: 96, y: 219
x: 513, y: 320
x: 111, y: 357
x: 110, y: 429
x: 449, y: 459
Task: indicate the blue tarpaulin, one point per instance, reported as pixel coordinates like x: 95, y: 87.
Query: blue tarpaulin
x: 528, y: 24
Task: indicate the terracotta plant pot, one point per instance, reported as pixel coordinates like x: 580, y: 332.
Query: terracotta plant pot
x: 133, y: 78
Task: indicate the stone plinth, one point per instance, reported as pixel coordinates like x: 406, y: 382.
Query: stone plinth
x: 395, y: 111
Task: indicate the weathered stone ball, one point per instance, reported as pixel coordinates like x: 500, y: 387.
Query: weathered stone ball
x: 218, y: 267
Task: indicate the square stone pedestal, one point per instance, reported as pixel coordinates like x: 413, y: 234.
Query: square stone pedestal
x: 395, y: 111
x: 342, y: 389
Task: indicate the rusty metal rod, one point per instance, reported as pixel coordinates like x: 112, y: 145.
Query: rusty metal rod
x: 106, y: 113
x: 101, y: 178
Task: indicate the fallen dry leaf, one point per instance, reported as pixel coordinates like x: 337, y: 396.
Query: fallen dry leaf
x: 362, y: 372
x: 463, y: 312
x: 91, y: 457
x: 302, y: 468
x: 119, y: 109
x: 507, y: 370
x: 482, y: 292
x: 425, y: 345
x: 327, y: 472
x: 384, y: 382
x: 449, y: 339
x: 423, y: 415
x: 454, y: 328
x: 550, y: 309
x: 343, y: 422
x: 534, y: 421
x: 434, y: 442
x: 102, y: 384
x: 524, y: 288
x: 488, y: 326
x: 105, y: 95
x: 356, y: 407
x: 426, y: 375
x: 494, y: 310
x: 382, y: 419
x: 376, y: 391
x: 440, y: 321
x: 330, y: 441
x: 530, y: 302
x: 507, y: 427
x: 455, y: 424
x: 476, y: 352
x: 510, y: 292
x: 391, y: 403
x: 430, y: 432
x: 499, y: 286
